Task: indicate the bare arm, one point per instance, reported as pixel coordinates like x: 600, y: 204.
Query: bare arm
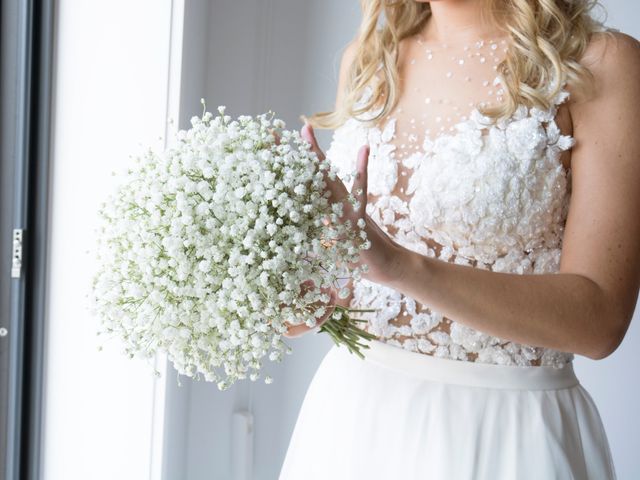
x: 587, y: 306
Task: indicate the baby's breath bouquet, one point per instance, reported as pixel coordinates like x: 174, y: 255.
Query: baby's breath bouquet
x: 203, y: 249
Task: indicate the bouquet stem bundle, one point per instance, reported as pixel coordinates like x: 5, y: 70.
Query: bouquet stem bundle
x: 343, y: 329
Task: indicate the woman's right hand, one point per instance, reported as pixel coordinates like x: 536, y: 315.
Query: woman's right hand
x: 298, y: 330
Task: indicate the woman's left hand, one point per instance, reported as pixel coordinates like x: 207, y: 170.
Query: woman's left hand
x: 385, y: 257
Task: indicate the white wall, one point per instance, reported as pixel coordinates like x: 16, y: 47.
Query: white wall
x: 110, y: 101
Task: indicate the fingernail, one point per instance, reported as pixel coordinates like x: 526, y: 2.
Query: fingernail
x: 305, y: 133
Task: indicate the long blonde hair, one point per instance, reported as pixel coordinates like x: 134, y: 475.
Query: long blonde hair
x: 547, y: 37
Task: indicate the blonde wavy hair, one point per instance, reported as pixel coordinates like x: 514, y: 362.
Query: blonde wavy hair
x: 547, y: 37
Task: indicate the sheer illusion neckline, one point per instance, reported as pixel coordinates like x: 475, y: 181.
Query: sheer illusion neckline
x: 476, y: 42
x: 455, y: 84
x: 474, y: 118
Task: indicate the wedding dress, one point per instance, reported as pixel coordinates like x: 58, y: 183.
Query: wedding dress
x: 435, y: 398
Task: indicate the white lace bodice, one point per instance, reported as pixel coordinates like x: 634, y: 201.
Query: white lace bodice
x: 492, y: 195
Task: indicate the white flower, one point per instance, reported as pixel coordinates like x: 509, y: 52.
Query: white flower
x: 526, y: 138
x: 202, y: 244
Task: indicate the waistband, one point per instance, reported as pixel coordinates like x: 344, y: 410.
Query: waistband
x: 474, y: 374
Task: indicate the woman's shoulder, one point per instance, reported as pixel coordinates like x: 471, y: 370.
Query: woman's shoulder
x: 612, y: 57
x: 348, y: 57
x: 610, y: 42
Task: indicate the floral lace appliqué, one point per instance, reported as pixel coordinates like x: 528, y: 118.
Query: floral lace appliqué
x: 491, y: 195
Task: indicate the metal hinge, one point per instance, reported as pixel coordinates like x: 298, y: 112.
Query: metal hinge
x: 16, y: 253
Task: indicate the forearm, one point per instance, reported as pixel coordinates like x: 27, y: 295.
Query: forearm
x: 562, y: 311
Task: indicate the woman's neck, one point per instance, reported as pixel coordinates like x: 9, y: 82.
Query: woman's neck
x: 457, y: 21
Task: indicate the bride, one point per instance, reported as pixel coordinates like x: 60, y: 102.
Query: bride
x: 499, y: 177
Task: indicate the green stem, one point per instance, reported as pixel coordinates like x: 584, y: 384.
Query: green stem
x: 344, y: 330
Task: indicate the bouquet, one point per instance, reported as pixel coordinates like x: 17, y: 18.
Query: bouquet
x: 203, y: 248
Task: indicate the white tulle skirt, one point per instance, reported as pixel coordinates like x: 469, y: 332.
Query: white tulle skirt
x: 405, y: 415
